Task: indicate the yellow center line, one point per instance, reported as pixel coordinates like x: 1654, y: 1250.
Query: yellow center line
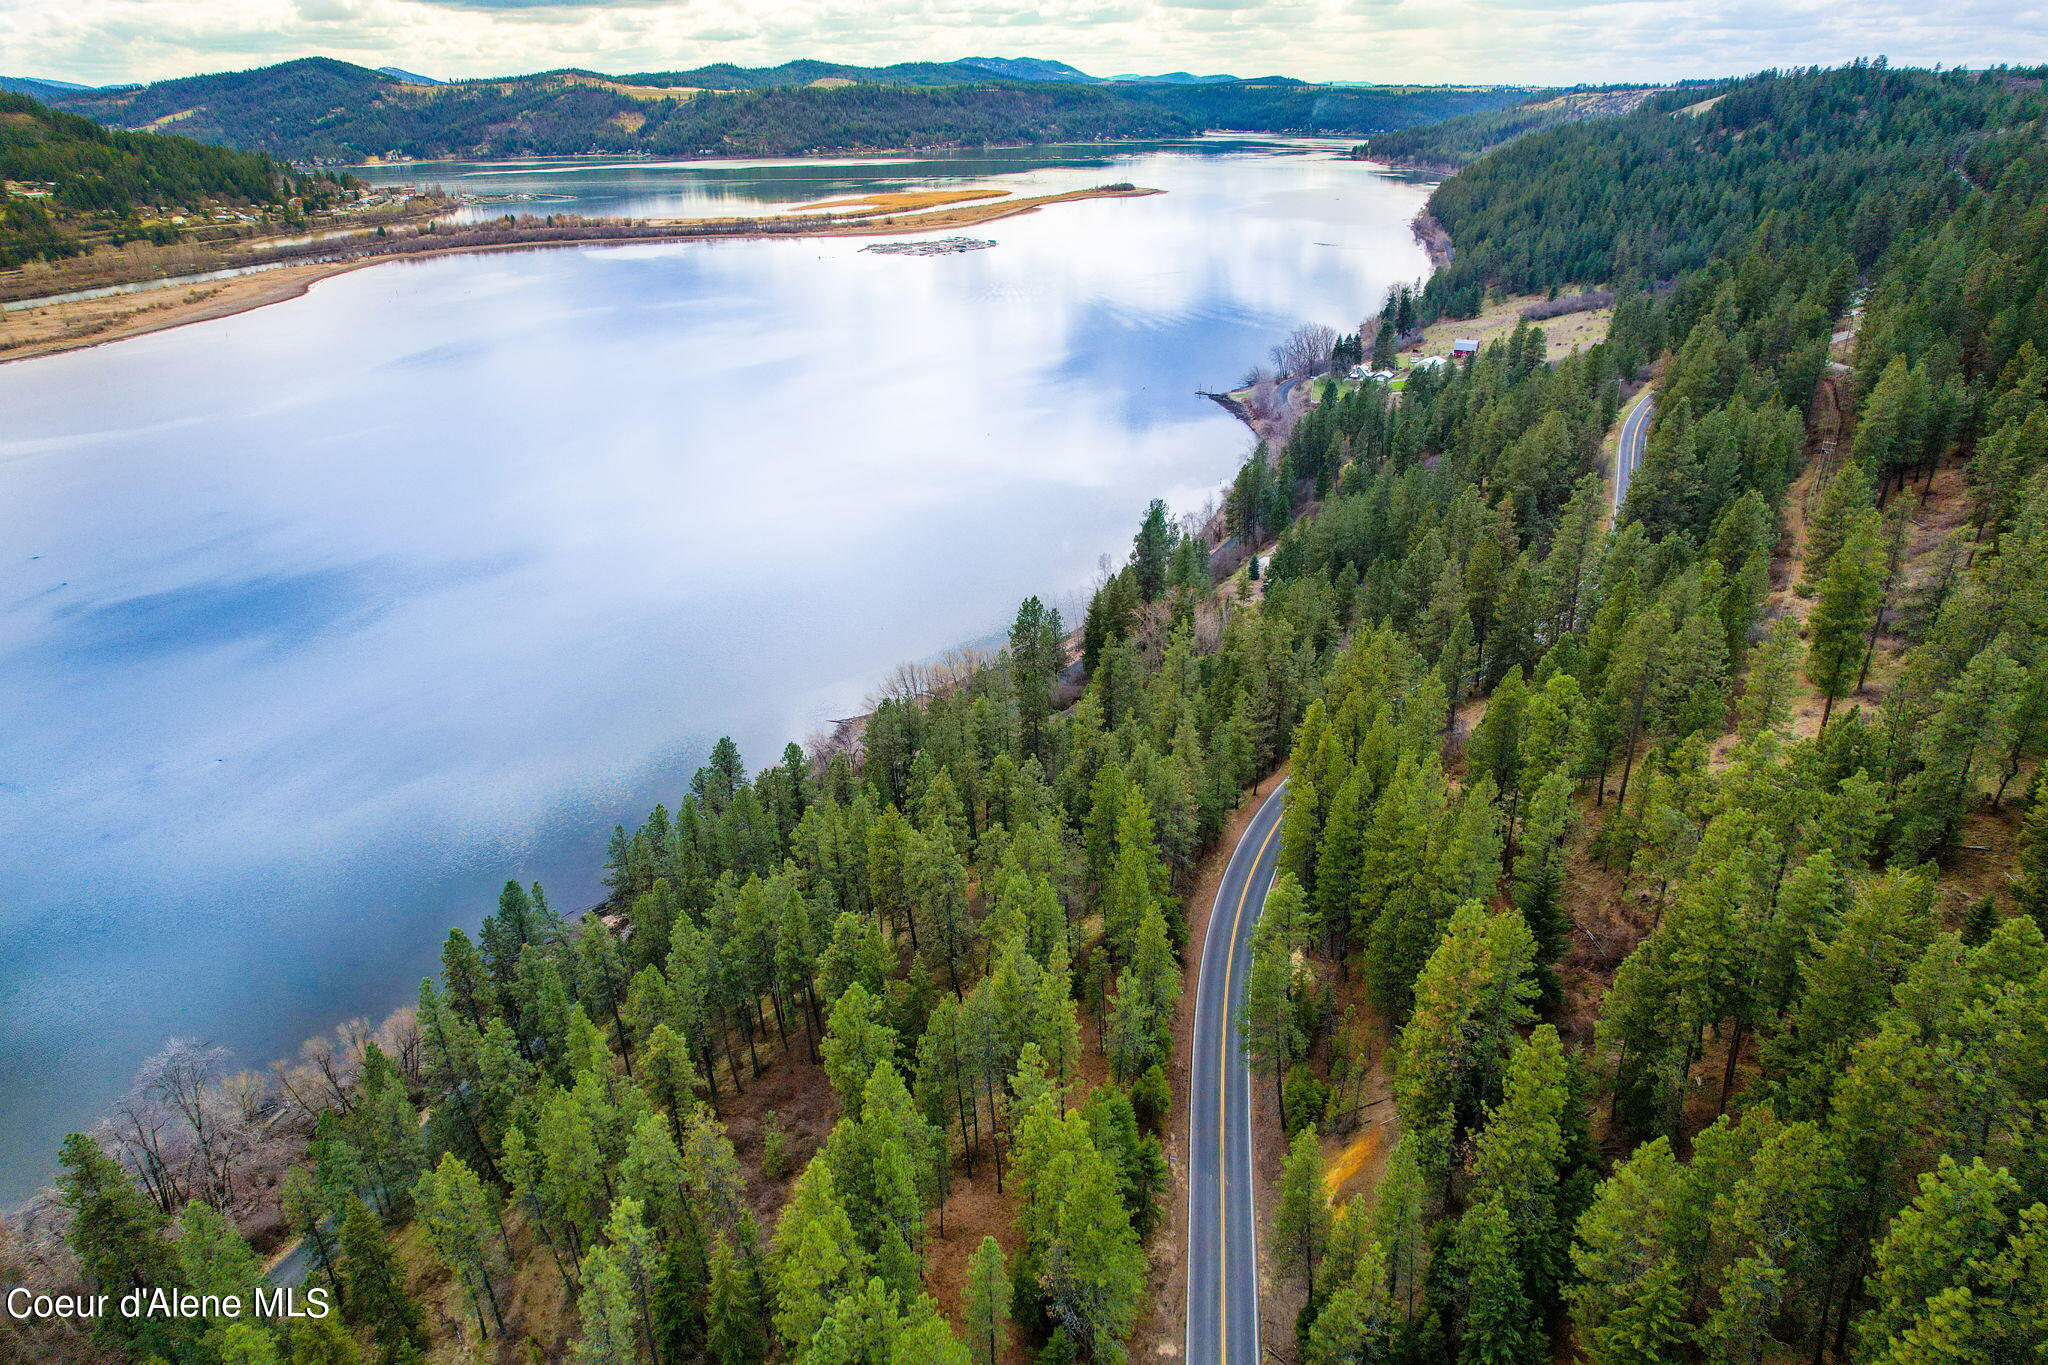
x: 1222, y: 1134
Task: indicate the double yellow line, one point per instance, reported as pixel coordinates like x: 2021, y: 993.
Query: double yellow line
x: 1222, y: 1094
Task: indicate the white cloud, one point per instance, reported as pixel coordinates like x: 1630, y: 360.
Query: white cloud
x: 1388, y: 40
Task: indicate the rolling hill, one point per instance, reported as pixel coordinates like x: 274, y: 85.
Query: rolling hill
x: 1459, y: 141
x: 321, y: 110
x: 71, y: 183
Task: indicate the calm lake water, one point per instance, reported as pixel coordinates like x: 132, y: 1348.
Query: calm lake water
x: 322, y: 621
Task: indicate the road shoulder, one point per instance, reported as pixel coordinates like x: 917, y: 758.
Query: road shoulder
x: 1161, y: 1332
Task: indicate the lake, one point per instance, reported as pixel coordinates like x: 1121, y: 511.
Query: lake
x: 322, y: 621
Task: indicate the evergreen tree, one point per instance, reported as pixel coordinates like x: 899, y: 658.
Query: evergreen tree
x: 375, y: 1287
x: 1151, y: 550
x: 1302, y: 1221
x: 988, y: 1302
x: 461, y: 1222
x: 733, y: 1319
x: 1850, y: 594
x: 1498, y: 1323
x: 117, y: 1236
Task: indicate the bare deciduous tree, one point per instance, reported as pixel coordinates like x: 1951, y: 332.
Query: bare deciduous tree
x: 1265, y: 400
x: 1306, y: 351
x: 399, y: 1036
x: 325, y: 1073
x: 928, y: 678
x: 145, y: 1136
x: 186, y: 1077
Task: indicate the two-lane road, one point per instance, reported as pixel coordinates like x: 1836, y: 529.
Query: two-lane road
x: 1223, y: 1242
x: 1635, y: 432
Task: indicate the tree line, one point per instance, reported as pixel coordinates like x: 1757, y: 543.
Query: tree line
x: 1790, y: 723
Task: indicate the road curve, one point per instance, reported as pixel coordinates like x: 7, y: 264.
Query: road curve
x: 1223, y: 1242
x: 1635, y: 433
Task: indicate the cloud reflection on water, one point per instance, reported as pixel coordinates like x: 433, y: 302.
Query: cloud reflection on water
x: 342, y: 611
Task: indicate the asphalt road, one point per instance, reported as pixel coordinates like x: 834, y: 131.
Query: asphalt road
x: 1635, y: 433
x: 1223, y: 1242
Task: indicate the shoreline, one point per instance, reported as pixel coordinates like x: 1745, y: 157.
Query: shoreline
x: 290, y: 282
x: 76, y: 325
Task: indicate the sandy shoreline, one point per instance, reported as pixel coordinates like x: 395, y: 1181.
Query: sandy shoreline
x: 55, y: 328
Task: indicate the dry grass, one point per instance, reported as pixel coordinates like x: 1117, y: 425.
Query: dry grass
x: 901, y: 201
x: 1572, y: 332
x: 91, y: 322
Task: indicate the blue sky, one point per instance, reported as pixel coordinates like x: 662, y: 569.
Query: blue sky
x: 1534, y: 41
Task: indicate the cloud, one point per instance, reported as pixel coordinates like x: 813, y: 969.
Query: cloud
x: 1521, y: 41
x: 491, y: 5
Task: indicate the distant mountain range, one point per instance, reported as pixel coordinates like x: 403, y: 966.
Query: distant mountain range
x: 37, y: 88
x: 317, y: 109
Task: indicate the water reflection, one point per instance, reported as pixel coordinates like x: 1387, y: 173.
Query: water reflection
x: 323, y: 620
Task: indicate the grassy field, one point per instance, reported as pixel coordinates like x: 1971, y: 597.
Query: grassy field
x: 1572, y: 332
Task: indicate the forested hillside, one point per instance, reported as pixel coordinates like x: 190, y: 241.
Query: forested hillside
x: 1665, y: 889
x: 1721, y: 1033
x: 72, y: 183
x: 319, y: 109
x: 1457, y: 142
x: 323, y: 110
x: 1281, y: 106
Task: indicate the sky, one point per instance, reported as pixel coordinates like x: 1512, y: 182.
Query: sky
x: 1519, y: 41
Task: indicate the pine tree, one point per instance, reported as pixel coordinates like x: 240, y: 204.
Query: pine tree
x: 1151, y: 550
x: 1960, y: 1274
x: 1630, y: 1303
x: 308, y: 1212
x: 605, y: 1308
x: 322, y: 1341
x: 1302, y: 1221
x: 2031, y: 889
x: 1272, y: 1038
x: 1850, y: 594
x: 1518, y: 1160
x: 988, y: 1302
x: 1498, y: 1324
x: 1469, y: 1000
x: 375, y: 1283
x: 244, y: 1343
x: 818, y: 1256
x: 214, y: 1256
x: 1088, y: 1264
x: 856, y: 1041
x: 117, y: 1236
x: 461, y: 1220
x: 1400, y: 1224
x: 733, y: 1319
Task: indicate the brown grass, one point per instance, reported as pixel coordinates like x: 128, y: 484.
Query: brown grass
x: 1563, y: 335
x: 901, y: 201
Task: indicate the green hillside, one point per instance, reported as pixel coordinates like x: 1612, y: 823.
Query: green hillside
x: 71, y: 183
x: 1278, y: 105
x: 1464, y: 139
x: 318, y: 109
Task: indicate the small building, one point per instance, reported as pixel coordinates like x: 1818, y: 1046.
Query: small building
x: 1429, y: 362
x: 1463, y: 348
